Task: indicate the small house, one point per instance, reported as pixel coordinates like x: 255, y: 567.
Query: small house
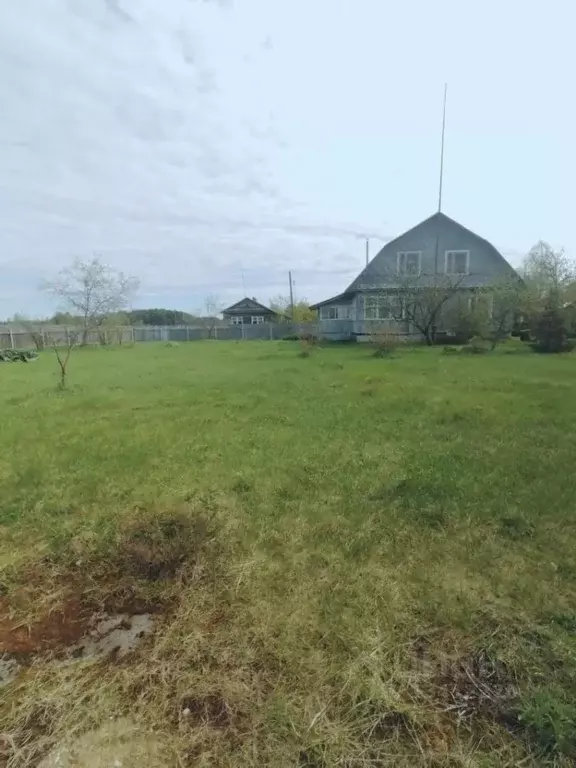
x: 249, y: 312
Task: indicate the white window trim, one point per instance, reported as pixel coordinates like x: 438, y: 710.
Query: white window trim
x: 405, y: 254
x: 237, y: 320
x: 257, y: 319
x: 343, y: 312
x: 388, y: 302
x: 457, y: 250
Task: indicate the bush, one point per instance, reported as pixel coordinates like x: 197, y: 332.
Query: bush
x: 18, y: 355
x: 550, y: 331
x: 385, y: 343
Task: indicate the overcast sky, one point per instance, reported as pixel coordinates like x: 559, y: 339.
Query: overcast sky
x: 188, y: 141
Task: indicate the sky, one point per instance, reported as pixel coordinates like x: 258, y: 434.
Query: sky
x: 209, y: 147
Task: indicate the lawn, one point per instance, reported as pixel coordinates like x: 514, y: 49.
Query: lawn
x: 350, y: 561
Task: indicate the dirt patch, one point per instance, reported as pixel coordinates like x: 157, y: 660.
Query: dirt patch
x: 60, y: 628
x: 477, y: 686
x: 115, y: 636
x: 156, y: 547
x: 210, y: 710
x: 120, y: 743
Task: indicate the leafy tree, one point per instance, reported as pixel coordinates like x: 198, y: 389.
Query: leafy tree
x: 302, y: 312
x: 549, y: 273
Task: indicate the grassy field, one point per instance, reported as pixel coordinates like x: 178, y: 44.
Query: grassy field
x: 351, y: 561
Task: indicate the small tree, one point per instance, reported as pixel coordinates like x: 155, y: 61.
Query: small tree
x: 212, y: 309
x: 550, y: 329
x: 299, y: 313
x: 92, y: 291
x: 547, y: 271
x: 63, y: 354
x: 420, y: 300
x: 510, y: 300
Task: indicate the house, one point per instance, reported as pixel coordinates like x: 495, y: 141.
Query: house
x: 249, y: 312
x: 439, y: 254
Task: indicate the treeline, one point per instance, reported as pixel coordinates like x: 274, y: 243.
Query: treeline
x: 152, y: 316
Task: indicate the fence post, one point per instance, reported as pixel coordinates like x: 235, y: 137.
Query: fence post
x: 43, y: 337
x: 216, y: 332
x: 187, y: 333
x: 67, y: 337
x: 271, y: 331
x: 11, y: 338
x: 133, y: 336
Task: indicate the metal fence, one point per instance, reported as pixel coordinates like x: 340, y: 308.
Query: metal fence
x: 40, y: 336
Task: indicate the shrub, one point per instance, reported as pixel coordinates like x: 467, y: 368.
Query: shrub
x: 385, y: 343
x: 550, y: 330
x: 18, y: 355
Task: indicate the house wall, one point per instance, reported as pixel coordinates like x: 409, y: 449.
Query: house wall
x: 338, y: 330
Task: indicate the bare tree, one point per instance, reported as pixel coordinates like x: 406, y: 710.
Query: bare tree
x: 63, y: 354
x: 91, y: 290
x: 418, y: 300
x: 212, y: 308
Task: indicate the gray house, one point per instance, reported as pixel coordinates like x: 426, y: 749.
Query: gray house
x: 437, y: 254
x: 249, y: 312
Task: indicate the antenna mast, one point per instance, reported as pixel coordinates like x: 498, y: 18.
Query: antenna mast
x: 442, y: 150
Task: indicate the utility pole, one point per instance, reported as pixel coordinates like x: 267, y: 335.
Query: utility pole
x: 291, y: 297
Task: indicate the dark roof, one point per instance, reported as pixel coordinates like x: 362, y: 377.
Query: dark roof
x: 346, y: 296
x: 377, y: 275
x: 247, y: 305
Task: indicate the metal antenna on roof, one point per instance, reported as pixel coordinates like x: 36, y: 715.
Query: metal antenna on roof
x: 442, y: 150
x: 367, y: 251
x: 243, y: 283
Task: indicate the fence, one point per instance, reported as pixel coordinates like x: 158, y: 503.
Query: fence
x: 19, y: 337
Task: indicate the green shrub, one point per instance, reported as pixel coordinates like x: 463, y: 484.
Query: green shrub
x: 550, y: 330
x: 18, y: 355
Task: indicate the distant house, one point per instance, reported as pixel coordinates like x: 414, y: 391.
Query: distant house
x: 249, y: 312
x: 436, y: 251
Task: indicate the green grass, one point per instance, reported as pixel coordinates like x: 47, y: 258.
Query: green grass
x: 388, y: 573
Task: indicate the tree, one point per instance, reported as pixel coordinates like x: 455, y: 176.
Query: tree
x: 510, y: 300
x: 420, y: 304
x: 92, y: 291
x: 549, y: 273
x: 63, y: 357
x: 550, y: 329
x: 301, y: 310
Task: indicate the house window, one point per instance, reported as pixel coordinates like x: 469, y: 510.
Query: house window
x: 409, y: 262
x: 257, y: 320
x: 235, y: 320
x: 457, y: 262
x: 334, y: 313
x: 382, y: 308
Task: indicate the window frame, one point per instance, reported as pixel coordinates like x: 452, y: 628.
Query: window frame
x: 387, y: 301
x: 257, y: 320
x: 342, y: 312
x: 446, y: 259
x: 237, y: 320
x: 405, y: 254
